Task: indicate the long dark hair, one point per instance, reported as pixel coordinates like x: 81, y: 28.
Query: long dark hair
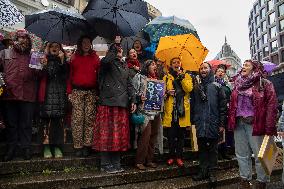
x: 60, y: 46
x: 145, y: 67
x: 79, y: 45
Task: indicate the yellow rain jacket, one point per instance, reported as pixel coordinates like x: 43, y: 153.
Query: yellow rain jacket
x: 187, y: 86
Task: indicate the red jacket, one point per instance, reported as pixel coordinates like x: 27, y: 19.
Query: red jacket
x: 265, y: 109
x: 83, y: 71
x: 19, y: 78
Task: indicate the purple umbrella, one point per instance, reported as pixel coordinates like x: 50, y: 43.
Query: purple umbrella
x: 268, y: 66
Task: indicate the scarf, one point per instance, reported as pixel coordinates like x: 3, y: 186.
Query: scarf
x: 133, y: 62
x: 21, y: 49
x: 179, y: 110
x: 202, y: 87
x: 244, y: 85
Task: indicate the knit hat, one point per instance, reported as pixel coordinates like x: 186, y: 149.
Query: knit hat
x: 1, y: 36
x: 22, y: 33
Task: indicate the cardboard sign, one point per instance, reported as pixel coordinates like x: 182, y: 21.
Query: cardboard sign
x: 155, y: 90
x: 268, y: 153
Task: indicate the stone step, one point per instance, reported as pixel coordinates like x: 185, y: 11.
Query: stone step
x: 38, y: 164
x: 90, y: 177
x: 226, y: 179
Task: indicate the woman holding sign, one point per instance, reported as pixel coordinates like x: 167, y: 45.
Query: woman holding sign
x: 177, y: 109
x: 252, y: 114
x: 152, y: 120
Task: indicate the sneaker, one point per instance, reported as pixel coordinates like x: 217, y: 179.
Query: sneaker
x: 140, y: 166
x: 109, y: 169
x: 170, y: 161
x: 180, y: 162
x: 47, y: 152
x: 119, y: 169
x: 57, y: 153
x: 152, y: 165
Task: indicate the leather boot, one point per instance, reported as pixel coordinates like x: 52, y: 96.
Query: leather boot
x: 10, y: 154
x: 202, y: 175
x: 260, y: 185
x: 27, y: 154
x: 245, y: 184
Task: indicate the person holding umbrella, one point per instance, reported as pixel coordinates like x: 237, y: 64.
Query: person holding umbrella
x: 53, y: 99
x: 177, y: 109
x: 81, y: 90
x: 20, y: 94
x: 116, y: 95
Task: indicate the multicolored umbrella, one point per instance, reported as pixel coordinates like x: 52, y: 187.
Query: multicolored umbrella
x: 121, y: 17
x: 186, y: 47
x: 9, y: 14
x: 169, y: 26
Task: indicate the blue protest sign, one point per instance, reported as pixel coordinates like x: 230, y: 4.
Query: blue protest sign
x: 155, y: 90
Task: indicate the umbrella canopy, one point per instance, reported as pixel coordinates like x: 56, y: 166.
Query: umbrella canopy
x: 9, y: 14
x: 127, y: 42
x: 168, y: 26
x: 268, y: 66
x: 120, y: 17
x: 58, y: 25
x: 216, y: 63
x: 186, y: 47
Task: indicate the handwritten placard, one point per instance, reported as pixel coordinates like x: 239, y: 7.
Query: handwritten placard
x: 155, y: 90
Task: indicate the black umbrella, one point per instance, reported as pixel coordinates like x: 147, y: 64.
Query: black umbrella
x: 117, y: 17
x: 58, y: 25
x: 127, y: 42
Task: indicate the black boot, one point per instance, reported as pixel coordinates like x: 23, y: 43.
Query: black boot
x: 86, y: 151
x: 9, y: 155
x: 202, y: 175
x: 79, y: 152
x: 212, y: 180
x: 27, y: 154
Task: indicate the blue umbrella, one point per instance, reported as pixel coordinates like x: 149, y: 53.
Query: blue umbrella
x: 58, y: 25
x: 117, y: 17
x: 168, y: 26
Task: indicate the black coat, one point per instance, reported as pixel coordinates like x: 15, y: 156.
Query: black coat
x: 210, y: 114
x: 55, y: 93
x: 115, y: 83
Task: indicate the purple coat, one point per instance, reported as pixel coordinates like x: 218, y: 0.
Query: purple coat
x: 19, y: 78
x: 265, y: 109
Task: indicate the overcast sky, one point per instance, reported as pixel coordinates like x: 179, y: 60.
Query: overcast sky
x: 213, y: 20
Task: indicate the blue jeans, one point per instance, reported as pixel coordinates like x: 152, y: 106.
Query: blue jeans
x: 283, y: 161
x: 245, y: 144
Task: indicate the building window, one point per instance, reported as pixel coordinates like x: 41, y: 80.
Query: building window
x: 274, y: 46
x: 263, y: 25
x: 256, y: 20
x: 265, y: 51
x: 282, y: 56
x: 282, y: 40
x: 281, y: 25
x: 68, y: 2
x: 272, y: 32
x: 261, y: 2
x: 270, y: 5
x: 253, y: 38
x: 281, y: 9
x: 260, y: 56
x: 258, y: 44
x: 275, y: 59
x: 256, y: 8
x: 262, y: 13
x: 272, y: 18
x: 264, y: 38
x: 258, y: 32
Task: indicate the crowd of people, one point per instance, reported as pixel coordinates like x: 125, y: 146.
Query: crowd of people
x: 107, y: 99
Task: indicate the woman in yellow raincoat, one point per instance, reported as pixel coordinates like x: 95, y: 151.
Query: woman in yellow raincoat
x: 177, y: 109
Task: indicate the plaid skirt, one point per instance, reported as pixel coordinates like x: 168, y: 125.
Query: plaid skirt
x: 111, y: 129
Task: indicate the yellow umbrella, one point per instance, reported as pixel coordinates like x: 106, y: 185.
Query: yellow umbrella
x: 187, y: 47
